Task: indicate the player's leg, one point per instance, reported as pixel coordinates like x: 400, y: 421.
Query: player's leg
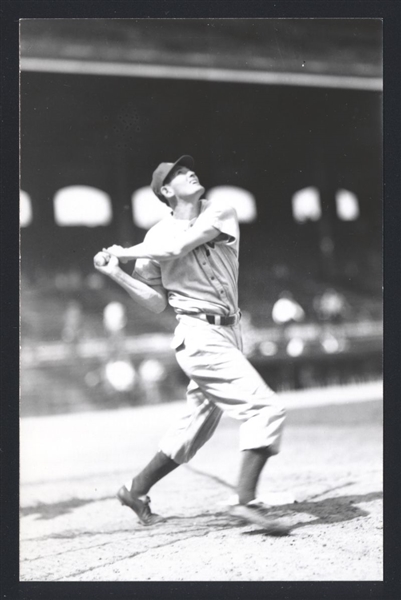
x: 187, y: 435
x: 253, y: 462
x: 228, y: 380
x: 179, y: 444
x: 157, y: 468
x: 134, y: 493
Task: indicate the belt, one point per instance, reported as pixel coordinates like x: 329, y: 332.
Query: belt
x: 216, y: 319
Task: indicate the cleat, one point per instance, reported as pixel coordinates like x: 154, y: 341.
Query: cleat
x: 256, y: 513
x: 140, y: 505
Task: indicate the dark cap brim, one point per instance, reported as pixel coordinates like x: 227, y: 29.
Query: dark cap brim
x: 185, y: 161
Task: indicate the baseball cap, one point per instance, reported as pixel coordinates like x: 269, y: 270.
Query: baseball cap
x: 163, y: 171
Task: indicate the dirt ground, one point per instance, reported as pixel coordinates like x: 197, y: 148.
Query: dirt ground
x: 73, y: 528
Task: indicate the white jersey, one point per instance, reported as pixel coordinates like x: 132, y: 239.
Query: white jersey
x: 205, y: 279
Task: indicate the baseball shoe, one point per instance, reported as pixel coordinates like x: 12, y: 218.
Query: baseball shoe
x: 257, y: 513
x: 140, y: 505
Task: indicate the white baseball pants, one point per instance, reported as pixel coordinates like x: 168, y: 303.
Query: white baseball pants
x: 221, y: 380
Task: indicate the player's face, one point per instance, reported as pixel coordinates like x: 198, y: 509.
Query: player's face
x: 184, y: 183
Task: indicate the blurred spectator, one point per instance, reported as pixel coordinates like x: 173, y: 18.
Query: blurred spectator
x: 114, y: 317
x: 286, y: 310
x: 72, y: 323
x: 114, y: 322
x: 334, y: 343
x: 94, y: 281
x: 152, y: 374
x: 331, y: 306
x: 120, y: 375
x: 295, y: 347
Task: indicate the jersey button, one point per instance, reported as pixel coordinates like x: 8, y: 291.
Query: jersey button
x: 212, y: 278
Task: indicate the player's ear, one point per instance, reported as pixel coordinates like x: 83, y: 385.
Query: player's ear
x: 167, y: 191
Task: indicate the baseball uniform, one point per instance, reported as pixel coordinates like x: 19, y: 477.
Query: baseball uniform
x: 202, y: 288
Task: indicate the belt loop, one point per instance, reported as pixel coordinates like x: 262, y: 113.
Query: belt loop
x: 217, y: 319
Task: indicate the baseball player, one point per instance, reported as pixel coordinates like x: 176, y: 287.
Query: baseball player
x: 190, y: 261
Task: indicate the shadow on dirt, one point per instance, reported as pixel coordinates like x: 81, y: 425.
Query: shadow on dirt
x: 53, y: 510
x: 330, y: 510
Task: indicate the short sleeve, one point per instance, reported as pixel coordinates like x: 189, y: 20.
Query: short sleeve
x: 223, y: 217
x: 148, y: 271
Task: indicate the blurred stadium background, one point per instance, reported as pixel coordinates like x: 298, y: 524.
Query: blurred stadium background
x: 283, y: 116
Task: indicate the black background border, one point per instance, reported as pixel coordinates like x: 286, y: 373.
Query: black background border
x: 11, y: 11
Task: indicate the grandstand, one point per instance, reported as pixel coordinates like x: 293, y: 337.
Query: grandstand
x: 292, y: 126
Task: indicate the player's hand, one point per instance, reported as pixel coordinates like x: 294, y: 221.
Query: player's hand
x: 108, y: 268
x: 117, y: 251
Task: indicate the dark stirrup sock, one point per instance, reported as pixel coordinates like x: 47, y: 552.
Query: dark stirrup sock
x: 160, y: 466
x: 253, y: 462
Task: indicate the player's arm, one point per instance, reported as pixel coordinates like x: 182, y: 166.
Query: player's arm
x: 154, y: 298
x: 201, y: 232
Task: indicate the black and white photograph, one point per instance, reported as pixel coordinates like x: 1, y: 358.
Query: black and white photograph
x: 201, y: 299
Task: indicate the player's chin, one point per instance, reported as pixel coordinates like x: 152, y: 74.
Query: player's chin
x: 196, y: 191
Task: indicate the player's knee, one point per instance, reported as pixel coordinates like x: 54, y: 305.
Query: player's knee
x: 275, y: 411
